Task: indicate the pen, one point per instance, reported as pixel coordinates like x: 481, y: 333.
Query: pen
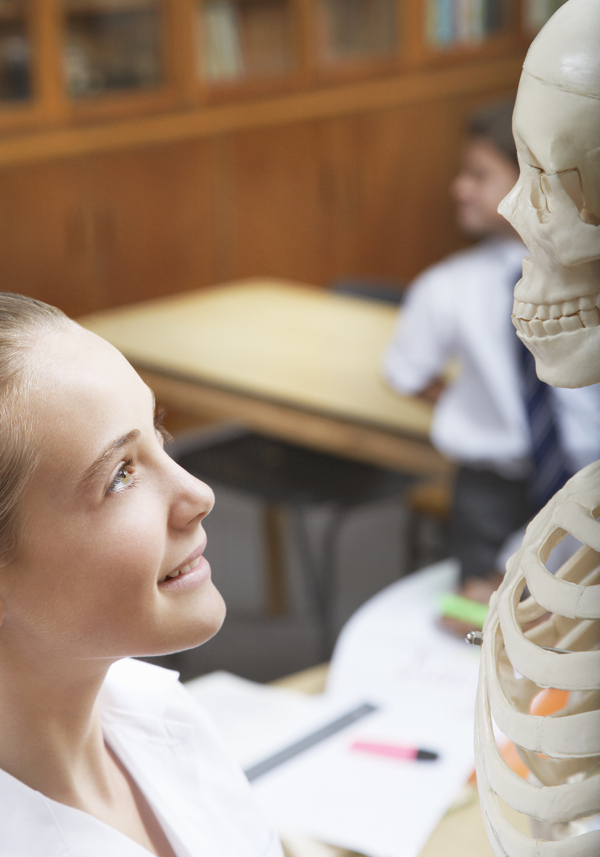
x: 394, y: 751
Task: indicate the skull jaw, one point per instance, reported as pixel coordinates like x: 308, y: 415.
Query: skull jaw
x: 568, y: 359
x: 547, y: 281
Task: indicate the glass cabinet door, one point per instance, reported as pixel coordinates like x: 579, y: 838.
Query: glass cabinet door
x: 15, y: 51
x: 537, y: 12
x: 112, y: 45
x: 357, y: 29
x: 451, y: 23
x: 239, y: 39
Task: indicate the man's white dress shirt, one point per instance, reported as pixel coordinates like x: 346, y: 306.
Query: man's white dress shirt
x: 201, y: 799
x: 460, y: 309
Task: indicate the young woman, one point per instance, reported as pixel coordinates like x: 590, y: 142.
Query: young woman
x: 102, y: 558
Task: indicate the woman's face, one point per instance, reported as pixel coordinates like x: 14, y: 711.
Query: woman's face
x: 108, y: 519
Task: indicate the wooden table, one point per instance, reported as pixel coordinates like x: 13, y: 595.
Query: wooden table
x: 286, y: 359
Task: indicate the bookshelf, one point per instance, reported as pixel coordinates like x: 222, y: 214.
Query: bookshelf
x: 238, y: 39
x: 537, y: 12
x: 111, y: 46
x: 355, y: 29
x: 466, y: 22
x: 154, y: 146
x: 15, y: 52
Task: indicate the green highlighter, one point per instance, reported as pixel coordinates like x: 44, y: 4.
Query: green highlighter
x: 467, y: 611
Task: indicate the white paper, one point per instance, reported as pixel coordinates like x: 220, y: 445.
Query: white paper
x: 378, y: 806
x: 393, y: 649
x: 422, y: 680
x: 253, y: 718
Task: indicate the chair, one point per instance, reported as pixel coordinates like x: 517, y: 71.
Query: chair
x: 287, y: 475
x: 384, y: 291
x: 429, y: 503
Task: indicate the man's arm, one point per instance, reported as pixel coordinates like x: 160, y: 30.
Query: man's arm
x: 418, y: 353
x: 432, y: 391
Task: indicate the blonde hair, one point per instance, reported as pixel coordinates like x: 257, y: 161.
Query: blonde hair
x: 23, y: 321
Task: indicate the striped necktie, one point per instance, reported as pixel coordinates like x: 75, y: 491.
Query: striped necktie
x: 549, y: 471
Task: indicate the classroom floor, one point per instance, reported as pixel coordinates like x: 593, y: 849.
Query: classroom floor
x: 371, y: 554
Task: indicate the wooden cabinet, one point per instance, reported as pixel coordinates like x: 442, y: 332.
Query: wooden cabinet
x: 43, y: 235
x: 103, y: 229
x: 153, y: 146
x: 153, y: 216
x: 293, y: 200
x: 407, y: 161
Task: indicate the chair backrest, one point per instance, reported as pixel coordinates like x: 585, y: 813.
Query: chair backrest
x: 385, y: 291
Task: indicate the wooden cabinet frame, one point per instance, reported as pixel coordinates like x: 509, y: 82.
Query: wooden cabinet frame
x: 183, y: 91
x: 329, y: 106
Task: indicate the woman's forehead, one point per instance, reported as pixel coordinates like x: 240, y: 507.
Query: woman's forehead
x: 82, y: 380
x: 75, y: 356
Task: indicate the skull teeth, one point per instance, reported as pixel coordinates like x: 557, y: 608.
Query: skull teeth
x: 552, y: 319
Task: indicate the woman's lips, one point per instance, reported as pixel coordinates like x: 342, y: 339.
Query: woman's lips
x: 195, y: 562
x: 184, y: 569
x: 188, y: 576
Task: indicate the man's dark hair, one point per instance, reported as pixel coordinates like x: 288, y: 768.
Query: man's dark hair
x: 494, y: 123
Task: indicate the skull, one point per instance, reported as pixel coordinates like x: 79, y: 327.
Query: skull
x: 555, y: 205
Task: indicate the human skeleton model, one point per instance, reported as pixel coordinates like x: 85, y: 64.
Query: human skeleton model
x: 555, y: 207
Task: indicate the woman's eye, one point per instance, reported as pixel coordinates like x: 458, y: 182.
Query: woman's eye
x: 123, y: 478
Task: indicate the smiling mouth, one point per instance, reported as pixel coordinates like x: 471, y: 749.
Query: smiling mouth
x: 179, y: 572
x: 550, y: 319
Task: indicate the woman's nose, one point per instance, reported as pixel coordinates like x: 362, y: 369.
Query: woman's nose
x: 192, y: 499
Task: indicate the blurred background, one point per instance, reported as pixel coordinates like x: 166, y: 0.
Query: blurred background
x: 154, y: 146
x: 151, y: 147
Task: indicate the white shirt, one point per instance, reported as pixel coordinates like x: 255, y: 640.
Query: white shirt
x: 201, y: 799
x: 460, y: 308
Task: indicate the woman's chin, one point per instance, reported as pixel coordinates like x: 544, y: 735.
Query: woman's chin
x: 193, y: 629
x: 207, y: 625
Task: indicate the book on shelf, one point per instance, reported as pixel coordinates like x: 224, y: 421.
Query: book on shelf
x: 537, y: 12
x: 221, y: 53
x: 454, y: 22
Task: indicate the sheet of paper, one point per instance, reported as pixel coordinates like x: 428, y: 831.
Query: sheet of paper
x: 253, y: 718
x: 393, y: 650
x: 422, y: 681
x: 378, y: 806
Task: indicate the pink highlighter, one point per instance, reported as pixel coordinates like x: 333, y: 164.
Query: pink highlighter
x: 394, y: 751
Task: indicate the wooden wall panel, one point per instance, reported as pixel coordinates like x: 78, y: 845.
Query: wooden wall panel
x: 153, y: 214
x: 408, y: 157
x: 292, y: 203
x: 44, y: 235
x: 275, y: 202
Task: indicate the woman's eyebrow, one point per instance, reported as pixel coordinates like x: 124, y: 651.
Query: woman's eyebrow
x: 107, y: 453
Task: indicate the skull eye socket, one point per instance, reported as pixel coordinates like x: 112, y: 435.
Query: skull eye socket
x: 547, y: 193
x: 540, y: 192
x: 571, y: 183
x: 543, y: 195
